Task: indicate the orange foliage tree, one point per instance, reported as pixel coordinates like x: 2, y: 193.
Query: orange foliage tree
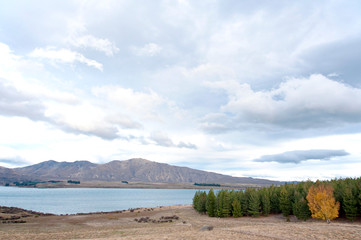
x: 322, y: 203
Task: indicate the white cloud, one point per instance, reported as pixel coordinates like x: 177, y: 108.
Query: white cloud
x: 99, y: 44
x: 299, y: 103
x: 148, y: 50
x: 64, y: 56
x: 144, y: 105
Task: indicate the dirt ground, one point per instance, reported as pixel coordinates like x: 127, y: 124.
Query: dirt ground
x: 185, y: 224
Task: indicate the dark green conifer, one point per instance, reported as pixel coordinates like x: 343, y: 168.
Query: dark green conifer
x: 236, y: 208
x: 300, y: 207
x: 265, y: 202
x: 244, y: 201
x: 196, y: 200
x: 274, y: 193
x: 211, y: 204
x: 199, y: 201
x: 349, y: 203
x: 254, y: 203
x: 223, y: 204
x: 285, y: 203
x: 202, y: 202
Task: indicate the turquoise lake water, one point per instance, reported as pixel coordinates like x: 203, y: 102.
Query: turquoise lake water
x: 84, y: 200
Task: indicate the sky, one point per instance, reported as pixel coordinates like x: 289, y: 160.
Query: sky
x: 265, y: 89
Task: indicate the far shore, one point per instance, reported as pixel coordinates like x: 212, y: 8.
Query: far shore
x: 145, y: 185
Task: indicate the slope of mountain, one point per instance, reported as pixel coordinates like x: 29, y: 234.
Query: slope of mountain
x: 10, y: 175
x: 58, y: 170
x: 134, y: 170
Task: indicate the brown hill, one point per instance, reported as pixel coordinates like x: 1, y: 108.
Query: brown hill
x: 10, y: 175
x: 134, y: 170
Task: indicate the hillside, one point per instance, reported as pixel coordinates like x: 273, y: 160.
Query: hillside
x: 10, y: 175
x: 134, y: 170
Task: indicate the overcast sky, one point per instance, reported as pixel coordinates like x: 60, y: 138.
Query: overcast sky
x: 267, y: 89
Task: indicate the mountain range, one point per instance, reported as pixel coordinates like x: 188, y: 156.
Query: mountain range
x: 133, y: 170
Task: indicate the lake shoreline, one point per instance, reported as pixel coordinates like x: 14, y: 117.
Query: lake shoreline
x: 139, y: 185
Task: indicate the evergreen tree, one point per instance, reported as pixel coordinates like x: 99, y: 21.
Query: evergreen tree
x: 244, y: 201
x: 358, y: 194
x: 254, y: 203
x: 349, y: 203
x: 223, y: 204
x: 274, y: 193
x: 300, y: 207
x: 285, y: 203
x: 199, y: 201
x: 236, y: 206
x: 211, y: 204
x: 265, y: 202
x: 196, y: 200
x: 201, y: 207
x: 338, y: 189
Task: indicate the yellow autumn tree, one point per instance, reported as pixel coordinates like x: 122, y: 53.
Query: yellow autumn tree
x: 322, y: 203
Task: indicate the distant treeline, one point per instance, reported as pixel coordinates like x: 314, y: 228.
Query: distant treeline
x: 207, y: 184
x: 24, y: 184
x: 29, y: 183
x: 73, y: 182
x: 343, y: 197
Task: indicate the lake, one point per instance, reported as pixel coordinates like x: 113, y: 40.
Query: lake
x: 84, y: 200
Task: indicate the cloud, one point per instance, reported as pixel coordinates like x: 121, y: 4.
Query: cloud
x: 148, y: 50
x: 161, y: 138
x: 78, y: 118
x: 105, y: 113
x: 99, y: 44
x: 14, y: 162
x: 16, y: 103
x: 143, y: 104
x: 297, y: 103
x: 64, y: 56
x: 186, y: 145
x: 302, y: 155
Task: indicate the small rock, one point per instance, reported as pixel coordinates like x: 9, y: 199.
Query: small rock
x: 206, y: 228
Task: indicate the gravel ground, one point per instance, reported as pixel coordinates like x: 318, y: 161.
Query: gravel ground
x: 185, y: 224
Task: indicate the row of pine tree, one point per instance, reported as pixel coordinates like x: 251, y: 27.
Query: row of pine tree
x: 288, y: 199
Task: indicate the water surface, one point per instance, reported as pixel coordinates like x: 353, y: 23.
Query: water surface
x: 84, y: 200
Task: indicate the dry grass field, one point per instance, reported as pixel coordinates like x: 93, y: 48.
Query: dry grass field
x: 121, y: 225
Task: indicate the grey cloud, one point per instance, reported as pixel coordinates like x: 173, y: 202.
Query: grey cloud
x: 342, y: 57
x: 161, y: 139
x: 186, y: 145
x: 16, y: 162
x: 15, y: 103
x: 302, y: 155
x: 104, y: 132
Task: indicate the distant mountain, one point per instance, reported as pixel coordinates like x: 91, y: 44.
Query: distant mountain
x: 133, y: 170
x: 59, y: 170
x: 8, y: 175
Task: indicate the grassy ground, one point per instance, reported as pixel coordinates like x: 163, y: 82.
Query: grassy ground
x: 121, y: 225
